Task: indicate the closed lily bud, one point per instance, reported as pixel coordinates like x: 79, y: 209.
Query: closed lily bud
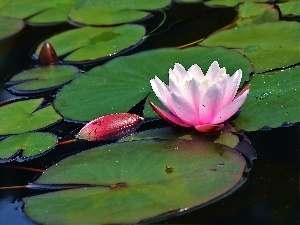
x: 196, y: 100
x: 47, y: 55
x: 110, y: 127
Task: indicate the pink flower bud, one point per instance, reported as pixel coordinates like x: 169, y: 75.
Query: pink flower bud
x: 110, y: 127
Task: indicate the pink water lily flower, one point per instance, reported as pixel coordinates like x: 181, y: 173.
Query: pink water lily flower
x: 198, y: 100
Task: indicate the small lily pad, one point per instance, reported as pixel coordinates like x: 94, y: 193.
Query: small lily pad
x: 273, y: 100
x: 42, y: 78
x: 229, y: 2
x: 31, y: 144
x: 254, y: 42
x: 103, y: 91
x: 91, y: 43
x: 9, y: 27
x: 23, y: 116
x: 109, y: 12
x: 254, y: 13
x: 39, y: 12
x: 290, y: 8
x: 129, y: 182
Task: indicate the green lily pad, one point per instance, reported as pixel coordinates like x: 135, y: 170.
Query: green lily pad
x: 124, y: 81
x: 273, y: 100
x: 23, y: 116
x: 91, y: 43
x: 3, y: 2
x: 109, y: 12
x: 268, y: 45
x: 132, y: 181
x: 187, y: 1
x: 229, y: 2
x: 31, y: 144
x: 9, y: 27
x: 42, y: 12
x: 254, y: 13
x: 42, y: 78
x: 225, y: 138
x: 290, y: 8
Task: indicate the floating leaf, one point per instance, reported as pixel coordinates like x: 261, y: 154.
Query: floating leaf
x: 42, y: 78
x: 90, y: 43
x: 109, y: 12
x: 187, y: 1
x: 103, y: 91
x: 53, y: 11
x: 136, y: 180
x: 23, y: 116
x: 3, y: 2
x: 290, y: 8
x: 272, y: 101
x: 9, y: 27
x: 31, y: 144
x: 229, y: 2
x: 253, y: 13
x: 225, y: 138
x: 254, y: 42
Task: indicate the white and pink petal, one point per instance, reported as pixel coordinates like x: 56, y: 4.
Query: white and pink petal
x: 229, y: 110
x: 212, y: 70
x: 209, y: 104
x: 184, y: 109
x: 168, y: 116
x: 161, y: 90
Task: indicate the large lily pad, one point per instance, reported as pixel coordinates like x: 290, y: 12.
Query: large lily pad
x: 23, y: 116
x: 42, y: 78
x: 273, y: 100
x: 134, y: 181
x: 108, y: 12
x: 39, y: 11
x: 90, y: 43
x: 124, y: 81
x: 268, y: 46
x: 9, y: 27
x: 31, y: 144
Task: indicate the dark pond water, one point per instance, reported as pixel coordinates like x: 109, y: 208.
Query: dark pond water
x: 271, y: 193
